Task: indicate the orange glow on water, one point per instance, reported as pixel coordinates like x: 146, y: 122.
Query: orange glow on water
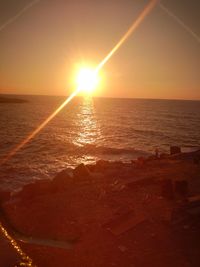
x: 86, y: 81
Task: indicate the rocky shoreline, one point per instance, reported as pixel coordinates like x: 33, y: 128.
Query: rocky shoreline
x: 142, y: 213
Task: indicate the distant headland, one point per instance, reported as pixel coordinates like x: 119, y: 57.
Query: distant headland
x: 11, y: 100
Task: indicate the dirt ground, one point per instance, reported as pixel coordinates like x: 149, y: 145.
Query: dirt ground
x: 117, y: 216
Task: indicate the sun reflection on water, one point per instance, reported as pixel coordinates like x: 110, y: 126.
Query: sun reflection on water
x: 89, y: 130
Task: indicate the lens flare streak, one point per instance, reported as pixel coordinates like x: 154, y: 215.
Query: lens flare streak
x: 133, y: 27
x: 180, y: 22
x: 40, y: 127
x: 19, y: 14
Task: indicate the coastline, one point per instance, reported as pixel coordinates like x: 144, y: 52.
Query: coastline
x: 108, y: 210
x: 11, y: 100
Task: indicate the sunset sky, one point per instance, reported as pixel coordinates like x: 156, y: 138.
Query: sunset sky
x: 41, y: 49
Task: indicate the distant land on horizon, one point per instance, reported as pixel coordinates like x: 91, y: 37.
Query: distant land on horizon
x: 12, y: 100
x: 5, y: 96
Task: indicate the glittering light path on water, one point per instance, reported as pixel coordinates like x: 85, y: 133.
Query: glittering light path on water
x: 40, y: 127
x: 133, y: 27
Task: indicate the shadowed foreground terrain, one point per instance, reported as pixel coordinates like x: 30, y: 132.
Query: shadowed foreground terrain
x: 111, y: 214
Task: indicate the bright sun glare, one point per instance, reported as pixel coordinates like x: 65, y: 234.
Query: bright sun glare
x: 87, y: 80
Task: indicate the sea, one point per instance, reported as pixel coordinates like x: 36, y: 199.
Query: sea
x: 89, y: 129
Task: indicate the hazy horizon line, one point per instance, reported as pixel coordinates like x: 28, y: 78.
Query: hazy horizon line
x: 112, y: 97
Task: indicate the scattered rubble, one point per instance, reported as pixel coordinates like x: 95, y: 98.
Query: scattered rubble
x: 175, y: 150
x: 114, y: 213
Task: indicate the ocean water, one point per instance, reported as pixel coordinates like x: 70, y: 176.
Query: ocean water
x: 90, y: 129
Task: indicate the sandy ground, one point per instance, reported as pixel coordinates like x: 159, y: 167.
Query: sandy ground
x: 115, y: 217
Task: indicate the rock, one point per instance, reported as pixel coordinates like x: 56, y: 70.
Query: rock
x: 91, y: 167
x: 123, y: 223
x: 196, y: 159
x: 48, y: 217
x: 141, y: 182
x: 167, y: 189
x: 102, y: 165
x: 188, y: 212
x: 4, y: 196
x: 117, y: 164
x: 97, y: 175
x: 151, y: 158
x: 31, y: 190
x: 140, y: 162
x: 64, y: 175
x: 186, y: 155
x: 81, y: 171
x: 164, y: 156
x: 175, y: 150
x: 122, y: 248
x: 62, y: 181
x: 117, y: 186
x: 181, y: 188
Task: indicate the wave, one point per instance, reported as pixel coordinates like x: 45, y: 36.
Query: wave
x: 103, y: 150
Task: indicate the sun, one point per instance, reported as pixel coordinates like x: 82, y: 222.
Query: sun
x: 87, y: 80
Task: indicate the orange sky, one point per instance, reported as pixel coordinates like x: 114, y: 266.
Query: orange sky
x: 40, y: 50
